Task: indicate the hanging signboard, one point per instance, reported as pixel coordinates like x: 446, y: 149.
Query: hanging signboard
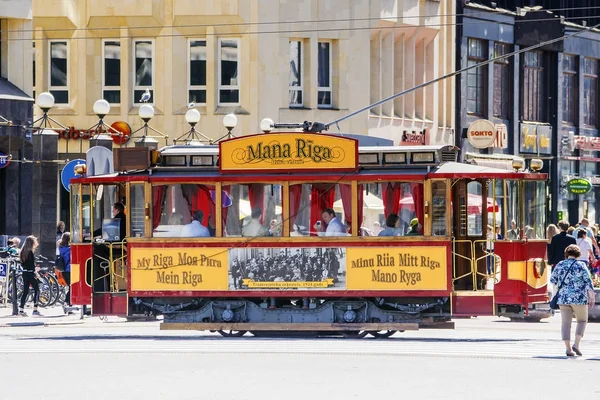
x: 481, y: 134
x: 579, y: 186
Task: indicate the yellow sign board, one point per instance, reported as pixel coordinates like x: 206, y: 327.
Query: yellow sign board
x: 397, y: 268
x: 288, y: 151
x: 178, y: 268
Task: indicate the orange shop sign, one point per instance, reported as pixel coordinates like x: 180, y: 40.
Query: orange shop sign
x: 288, y: 151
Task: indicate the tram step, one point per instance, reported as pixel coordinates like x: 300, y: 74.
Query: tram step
x: 468, y: 303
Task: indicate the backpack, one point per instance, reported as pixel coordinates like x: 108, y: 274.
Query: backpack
x: 59, y: 264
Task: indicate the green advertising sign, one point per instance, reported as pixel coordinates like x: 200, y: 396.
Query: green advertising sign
x: 579, y: 186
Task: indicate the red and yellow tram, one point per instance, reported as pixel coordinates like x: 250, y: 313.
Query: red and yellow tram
x: 280, y: 231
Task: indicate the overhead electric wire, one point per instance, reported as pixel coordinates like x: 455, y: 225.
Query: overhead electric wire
x: 458, y: 72
x: 291, y: 31
x: 109, y: 28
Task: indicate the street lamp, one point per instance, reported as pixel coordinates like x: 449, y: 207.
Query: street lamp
x: 45, y: 102
x: 193, y: 137
x: 146, y: 112
x: 266, y: 125
x: 230, y: 122
x: 101, y: 109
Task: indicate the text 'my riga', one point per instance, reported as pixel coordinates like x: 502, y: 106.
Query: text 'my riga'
x: 303, y: 149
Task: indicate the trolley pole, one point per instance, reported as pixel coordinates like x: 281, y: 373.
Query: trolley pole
x: 15, y: 301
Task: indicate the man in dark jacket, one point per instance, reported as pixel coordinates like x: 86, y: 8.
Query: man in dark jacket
x: 118, y: 211
x: 556, y: 250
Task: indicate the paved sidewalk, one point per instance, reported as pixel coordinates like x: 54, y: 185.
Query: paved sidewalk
x: 50, y: 316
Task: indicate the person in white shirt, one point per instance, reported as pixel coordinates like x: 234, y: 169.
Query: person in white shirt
x: 195, y: 228
x: 334, y: 225
x: 586, y: 247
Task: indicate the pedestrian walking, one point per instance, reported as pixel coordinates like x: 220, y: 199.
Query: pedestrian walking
x: 575, y: 295
x: 65, y: 255
x: 27, y: 257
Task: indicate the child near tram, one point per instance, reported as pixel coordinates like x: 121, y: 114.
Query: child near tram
x: 29, y: 274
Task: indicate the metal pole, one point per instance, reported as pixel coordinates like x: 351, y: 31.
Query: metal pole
x: 15, y: 301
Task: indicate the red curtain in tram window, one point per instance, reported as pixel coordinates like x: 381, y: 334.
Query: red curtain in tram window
x: 198, y: 198
x: 256, y: 193
x: 295, y: 197
x: 158, y: 195
x: 321, y: 198
x: 416, y: 190
x: 346, y: 195
x: 391, y: 198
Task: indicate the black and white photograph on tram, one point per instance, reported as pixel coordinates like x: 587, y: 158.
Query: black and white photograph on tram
x: 287, y: 268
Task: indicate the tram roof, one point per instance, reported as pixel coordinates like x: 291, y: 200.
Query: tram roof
x: 462, y: 170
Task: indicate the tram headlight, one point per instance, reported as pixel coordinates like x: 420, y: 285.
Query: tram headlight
x: 536, y: 164
x: 518, y: 164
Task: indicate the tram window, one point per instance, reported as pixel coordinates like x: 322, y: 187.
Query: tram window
x: 86, y: 229
x: 308, y: 203
x: 438, y: 208
x: 496, y: 190
x: 513, y: 212
x: 252, y: 210
x: 177, y: 207
x: 76, y: 236
x: 475, y: 208
x: 104, y: 197
x: 404, y: 199
x: 137, y: 210
x: 535, y: 210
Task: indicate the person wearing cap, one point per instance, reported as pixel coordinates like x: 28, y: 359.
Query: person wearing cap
x: 414, y: 227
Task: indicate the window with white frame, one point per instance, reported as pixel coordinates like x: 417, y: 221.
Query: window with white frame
x: 197, y: 71
x: 229, y: 76
x: 111, y: 84
x: 59, y: 71
x: 144, y: 70
x: 324, y: 75
x: 296, y: 72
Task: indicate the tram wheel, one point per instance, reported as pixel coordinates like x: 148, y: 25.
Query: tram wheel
x: 231, y: 333
x: 381, y: 334
x: 354, y: 334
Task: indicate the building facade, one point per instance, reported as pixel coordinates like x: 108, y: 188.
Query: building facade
x: 544, y: 100
x: 316, y: 60
x: 27, y: 188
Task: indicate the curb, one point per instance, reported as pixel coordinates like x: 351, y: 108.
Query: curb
x: 25, y: 324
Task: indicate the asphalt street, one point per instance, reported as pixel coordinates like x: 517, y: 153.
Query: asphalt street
x: 61, y: 357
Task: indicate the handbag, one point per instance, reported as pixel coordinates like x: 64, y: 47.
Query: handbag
x: 554, y: 301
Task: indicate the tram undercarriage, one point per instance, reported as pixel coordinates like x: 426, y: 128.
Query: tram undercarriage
x: 381, y: 317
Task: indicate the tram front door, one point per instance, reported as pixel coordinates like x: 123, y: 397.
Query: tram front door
x: 471, y: 249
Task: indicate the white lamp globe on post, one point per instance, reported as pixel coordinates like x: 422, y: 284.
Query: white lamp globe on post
x: 266, y: 125
x: 101, y: 108
x: 229, y: 121
x: 192, y: 117
x: 146, y: 112
x: 45, y: 101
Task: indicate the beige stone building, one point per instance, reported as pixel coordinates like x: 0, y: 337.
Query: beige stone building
x: 291, y: 61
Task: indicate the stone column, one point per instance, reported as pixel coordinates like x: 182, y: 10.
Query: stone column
x: 44, y: 190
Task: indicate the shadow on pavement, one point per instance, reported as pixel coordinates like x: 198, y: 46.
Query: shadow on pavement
x: 249, y: 337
